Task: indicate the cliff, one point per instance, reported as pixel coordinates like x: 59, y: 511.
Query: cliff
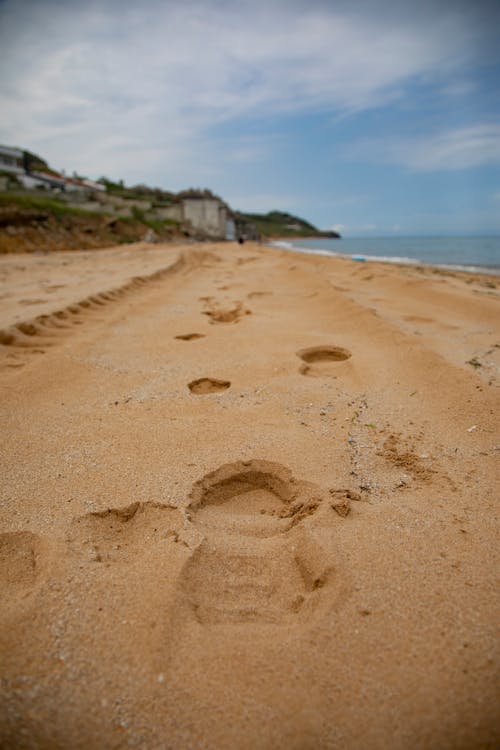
x: 42, y: 209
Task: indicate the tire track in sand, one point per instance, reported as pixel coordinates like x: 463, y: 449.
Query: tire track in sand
x: 35, y: 335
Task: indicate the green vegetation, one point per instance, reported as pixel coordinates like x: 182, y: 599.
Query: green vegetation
x: 157, y: 225
x: 280, y: 224
x: 35, y: 163
x: 199, y: 193
x: 156, y: 196
x: 59, y: 210
x: 35, y: 222
x: 121, y: 197
x: 9, y: 175
x: 39, y: 203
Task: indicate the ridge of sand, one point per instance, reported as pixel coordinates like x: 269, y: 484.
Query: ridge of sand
x: 248, y: 501
x: 32, y: 334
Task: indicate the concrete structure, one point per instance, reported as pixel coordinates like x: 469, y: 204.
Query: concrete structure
x: 174, y: 212
x: 31, y: 182
x: 208, y: 216
x: 53, y: 181
x: 11, y: 160
x: 92, y: 185
x: 230, y: 229
x: 199, y: 212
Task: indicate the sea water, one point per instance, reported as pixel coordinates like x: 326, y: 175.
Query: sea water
x: 480, y: 254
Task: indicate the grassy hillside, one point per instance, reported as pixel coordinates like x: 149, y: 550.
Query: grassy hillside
x: 139, y: 206
x: 157, y: 196
x: 282, y: 224
x: 33, y: 222
x: 29, y: 202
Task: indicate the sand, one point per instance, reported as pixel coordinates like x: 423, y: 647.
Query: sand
x: 248, y: 501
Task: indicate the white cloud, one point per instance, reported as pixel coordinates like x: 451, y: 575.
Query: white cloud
x: 457, y: 149
x: 137, y: 90
x: 460, y: 148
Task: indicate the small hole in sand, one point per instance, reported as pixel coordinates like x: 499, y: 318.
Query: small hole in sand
x: 189, y: 336
x: 324, y: 354
x: 208, y: 385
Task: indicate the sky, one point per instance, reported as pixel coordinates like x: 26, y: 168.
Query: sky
x: 373, y: 117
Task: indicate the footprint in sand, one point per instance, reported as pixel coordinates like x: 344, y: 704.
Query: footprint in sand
x: 220, y: 314
x: 21, y: 559
x: 202, y: 386
x: 254, y: 564
x: 189, y: 336
x: 123, y: 534
x: 255, y: 295
x: 321, y: 361
x: 251, y: 551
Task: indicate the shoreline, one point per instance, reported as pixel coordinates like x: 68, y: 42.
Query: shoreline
x: 288, y: 244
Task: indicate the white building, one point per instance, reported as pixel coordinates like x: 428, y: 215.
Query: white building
x: 230, y: 229
x: 11, y: 160
x: 30, y: 182
x: 92, y: 185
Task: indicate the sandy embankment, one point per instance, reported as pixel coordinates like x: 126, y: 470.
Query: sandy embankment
x: 248, y: 500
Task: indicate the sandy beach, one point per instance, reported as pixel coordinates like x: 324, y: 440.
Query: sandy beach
x: 248, y: 501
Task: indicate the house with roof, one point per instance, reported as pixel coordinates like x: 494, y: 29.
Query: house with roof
x: 11, y: 160
x: 32, y: 173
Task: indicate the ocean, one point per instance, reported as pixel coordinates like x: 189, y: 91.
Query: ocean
x: 479, y: 254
